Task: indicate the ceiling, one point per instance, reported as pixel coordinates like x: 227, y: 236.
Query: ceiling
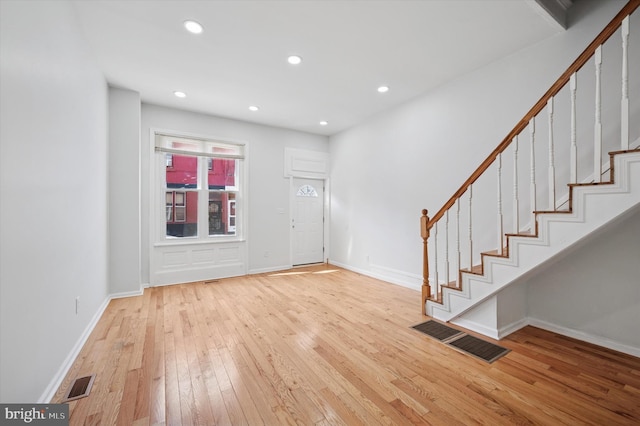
x: 349, y: 49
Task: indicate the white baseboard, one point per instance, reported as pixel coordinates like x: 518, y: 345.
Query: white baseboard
x: 477, y: 327
x: 57, y: 379
x: 127, y: 294
x: 586, y: 337
x: 494, y: 333
x: 348, y: 267
x: 270, y: 269
x: 389, y: 275
x: 575, y: 334
x: 513, y: 327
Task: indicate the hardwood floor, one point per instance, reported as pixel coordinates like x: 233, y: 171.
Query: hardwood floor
x: 326, y: 346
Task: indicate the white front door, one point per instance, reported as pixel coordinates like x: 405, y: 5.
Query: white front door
x: 307, y: 221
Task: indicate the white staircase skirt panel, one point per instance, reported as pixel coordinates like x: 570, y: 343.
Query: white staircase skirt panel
x: 593, y: 207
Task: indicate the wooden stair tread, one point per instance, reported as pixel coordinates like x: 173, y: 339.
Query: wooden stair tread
x: 437, y: 298
x: 452, y: 285
x: 552, y: 211
x: 590, y: 184
x: 494, y: 253
x: 477, y: 269
x: 522, y: 234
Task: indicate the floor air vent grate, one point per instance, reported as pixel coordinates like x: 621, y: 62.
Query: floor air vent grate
x: 479, y: 348
x: 437, y: 330
x: 80, y: 388
x: 462, y: 341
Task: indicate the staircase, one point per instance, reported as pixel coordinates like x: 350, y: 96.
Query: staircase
x: 458, y: 274
x: 593, y: 206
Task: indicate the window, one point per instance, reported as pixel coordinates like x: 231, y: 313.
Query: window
x: 221, y: 181
x: 307, y: 191
x: 201, y: 184
x: 179, y: 201
x: 176, y: 209
x: 176, y: 206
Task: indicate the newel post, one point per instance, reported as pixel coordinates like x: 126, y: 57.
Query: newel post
x: 424, y: 233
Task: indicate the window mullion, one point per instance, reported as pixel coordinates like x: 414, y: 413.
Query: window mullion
x: 203, y: 198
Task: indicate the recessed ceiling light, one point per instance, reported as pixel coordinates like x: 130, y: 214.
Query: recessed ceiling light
x: 253, y: 108
x: 180, y: 94
x: 324, y: 123
x: 383, y: 89
x: 193, y: 27
x: 294, y: 59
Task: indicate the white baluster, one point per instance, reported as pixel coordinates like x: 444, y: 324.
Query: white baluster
x: 532, y: 185
x: 597, y: 140
x: 624, y: 123
x: 459, y: 266
x: 435, y: 258
x: 470, y: 229
x: 516, y: 204
x: 552, y: 167
x: 446, y: 248
x: 573, y: 178
x: 500, y: 230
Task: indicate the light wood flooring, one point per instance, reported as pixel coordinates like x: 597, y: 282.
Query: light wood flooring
x: 326, y: 346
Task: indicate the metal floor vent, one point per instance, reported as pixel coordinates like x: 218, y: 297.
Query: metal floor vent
x: 462, y: 341
x: 478, y: 348
x: 437, y: 330
x: 80, y: 388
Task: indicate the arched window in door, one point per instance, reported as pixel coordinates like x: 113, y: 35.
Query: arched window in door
x: 307, y: 191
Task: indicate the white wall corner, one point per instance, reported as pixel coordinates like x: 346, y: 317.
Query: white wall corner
x: 507, y: 329
x: 123, y: 294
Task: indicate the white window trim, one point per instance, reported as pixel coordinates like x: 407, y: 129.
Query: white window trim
x: 158, y: 188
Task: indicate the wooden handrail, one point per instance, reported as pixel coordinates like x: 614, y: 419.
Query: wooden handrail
x: 611, y: 28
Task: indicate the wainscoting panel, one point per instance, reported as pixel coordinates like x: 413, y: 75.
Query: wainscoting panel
x: 181, y: 263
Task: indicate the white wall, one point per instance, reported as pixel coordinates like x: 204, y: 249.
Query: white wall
x: 416, y: 156
x: 124, y: 192
x: 268, y: 190
x: 53, y: 169
x: 594, y: 292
